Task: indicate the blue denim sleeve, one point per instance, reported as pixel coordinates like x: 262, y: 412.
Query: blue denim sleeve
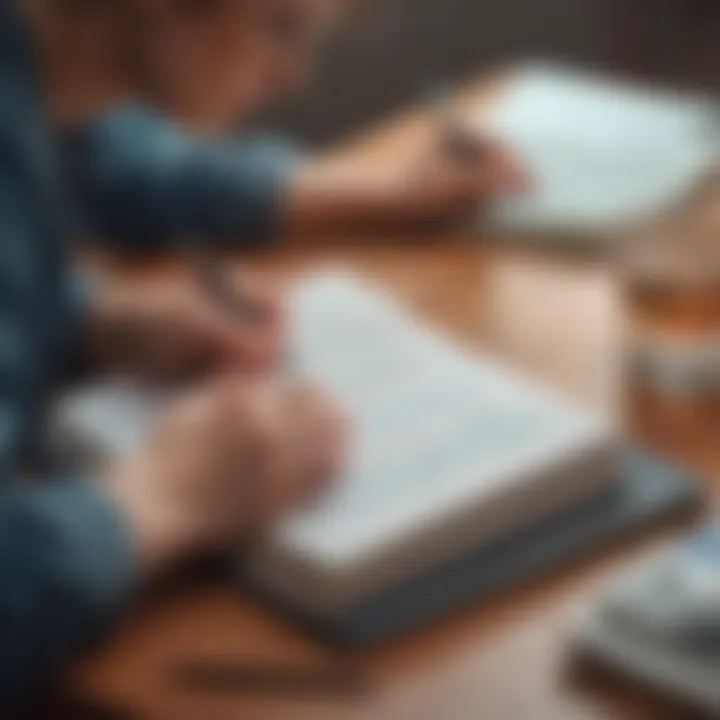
x: 141, y: 182
x: 80, y: 289
x: 66, y: 562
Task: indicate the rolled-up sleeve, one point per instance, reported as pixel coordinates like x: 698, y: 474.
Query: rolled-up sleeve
x: 65, y: 556
x: 66, y: 560
x: 141, y: 181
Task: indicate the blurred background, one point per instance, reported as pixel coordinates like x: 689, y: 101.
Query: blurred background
x: 383, y: 59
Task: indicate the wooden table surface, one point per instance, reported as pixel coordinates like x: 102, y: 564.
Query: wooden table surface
x: 559, y: 317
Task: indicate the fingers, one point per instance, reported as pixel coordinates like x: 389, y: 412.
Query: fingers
x: 299, y: 444
x: 169, y: 333
x: 279, y: 444
x: 494, y: 171
x: 503, y: 170
x: 479, y: 166
x: 227, y: 462
x: 320, y: 434
x: 250, y: 342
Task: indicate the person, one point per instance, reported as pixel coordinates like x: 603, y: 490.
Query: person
x: 143, y: 180
x: 243, y: 446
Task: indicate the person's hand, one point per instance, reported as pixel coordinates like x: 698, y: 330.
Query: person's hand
x: 167, y: 331
x: 442, y: 179
x: 456, y: 173
x: 224, y: 464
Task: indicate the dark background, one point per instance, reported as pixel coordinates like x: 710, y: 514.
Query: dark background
x: 386, y: 56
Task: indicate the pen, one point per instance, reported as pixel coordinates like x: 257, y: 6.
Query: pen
x: 243, y: 677
x: 220, y: 286
x: 466, y: 144
x: 458, y: 140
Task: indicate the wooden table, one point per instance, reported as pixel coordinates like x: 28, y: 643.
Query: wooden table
x: 559, y: 317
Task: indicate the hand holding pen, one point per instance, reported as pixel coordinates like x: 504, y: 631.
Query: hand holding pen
x: 255, y: 310
x: 165, y: 332
x: 484, y: 163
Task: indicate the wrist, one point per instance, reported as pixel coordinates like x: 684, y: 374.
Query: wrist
x: 325, y: 196
x: 159, y: 540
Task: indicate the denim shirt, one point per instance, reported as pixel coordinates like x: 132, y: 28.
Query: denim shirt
x: 66, y: 560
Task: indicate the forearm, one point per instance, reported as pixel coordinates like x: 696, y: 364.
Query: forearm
x: 343, y: 195
x: 324, y: 196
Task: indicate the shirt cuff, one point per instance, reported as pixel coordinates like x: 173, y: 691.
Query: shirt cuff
x: 237, y: 188
x: 82, y: 289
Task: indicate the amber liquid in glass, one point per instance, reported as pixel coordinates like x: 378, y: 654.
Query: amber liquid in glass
x: 672, y: 301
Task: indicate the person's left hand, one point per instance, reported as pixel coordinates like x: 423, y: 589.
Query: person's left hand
x: 169, y: 332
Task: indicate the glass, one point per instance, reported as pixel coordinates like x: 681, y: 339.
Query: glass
x: 671, y: 276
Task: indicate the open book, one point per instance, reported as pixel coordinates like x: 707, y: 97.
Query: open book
x: 659, y: 623
x: 451, y: 449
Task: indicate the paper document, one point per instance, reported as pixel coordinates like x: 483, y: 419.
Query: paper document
x: 433, y: 424
x: 600, y: 153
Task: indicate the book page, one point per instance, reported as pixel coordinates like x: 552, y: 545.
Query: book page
x: 433, y: 424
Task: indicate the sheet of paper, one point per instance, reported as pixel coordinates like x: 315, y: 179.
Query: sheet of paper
x: 433, y: 424
x: 600, y: 153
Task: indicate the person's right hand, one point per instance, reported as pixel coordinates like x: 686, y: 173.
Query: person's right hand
x: 224, y: 464
x: 168, y: 332
x: 437, y: 182
x: 457, y: 173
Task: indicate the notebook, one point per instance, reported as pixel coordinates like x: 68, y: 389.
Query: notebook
x: 660, y: 622
x: 451, y: 449
x: 601, y: 153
